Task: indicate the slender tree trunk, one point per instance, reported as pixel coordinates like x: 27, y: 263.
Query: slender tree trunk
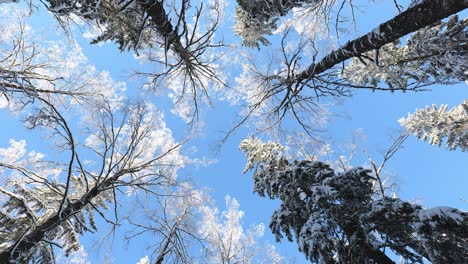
x: 163, y: 251
x: 424, y: 14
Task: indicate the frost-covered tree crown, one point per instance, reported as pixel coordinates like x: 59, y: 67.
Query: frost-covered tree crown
x: 48, y: 202
x: 228, y: 241
x: 438, y: 124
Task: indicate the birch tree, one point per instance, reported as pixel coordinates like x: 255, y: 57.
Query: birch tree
x: 195, y: 231
x: 228, y: 242
x: 171, y: 223
x: 47, y: 202
x: 32, y: 67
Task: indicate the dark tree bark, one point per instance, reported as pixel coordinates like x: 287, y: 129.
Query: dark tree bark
x: 164, y: 27
x: 424, y: 14
x: 164, y: 249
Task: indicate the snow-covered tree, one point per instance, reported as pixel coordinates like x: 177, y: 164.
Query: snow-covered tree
x: 339, y: 217
x: 434, y: 54
x: 436, y: 124
x: 255, y: 19
x: 49, y: 203
x: 303, y: 73
x: 406, y: 22
x: 177, y: 37
x: 171, y: 221
x: 58, y: 71
x: 106, y: 147
x: 228, y: 242
x: 188, y: 223
x: 134, y: 24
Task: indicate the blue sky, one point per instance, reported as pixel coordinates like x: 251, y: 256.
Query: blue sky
x: 427, y: 174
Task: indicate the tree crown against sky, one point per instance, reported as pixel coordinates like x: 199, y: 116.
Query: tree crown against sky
x: 348, y: 217
x: 125, y: 152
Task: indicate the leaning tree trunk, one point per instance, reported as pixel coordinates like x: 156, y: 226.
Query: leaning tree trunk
x: 36, y: 234
x: 424, y: 14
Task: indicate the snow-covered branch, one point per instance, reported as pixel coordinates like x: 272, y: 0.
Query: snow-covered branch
x: 436, y: 124
x: 337, y: 218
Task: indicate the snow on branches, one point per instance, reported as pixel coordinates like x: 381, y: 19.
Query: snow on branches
x: 255, y: 19
x: 49, y: 201
x: 228, y: 242
x: 436, y: 124
x: 435, y: 54
x: 337, y: 218
x: 57, y: 70
x: 178, y: 37
x: 126, y: 149
x: 257, y: 151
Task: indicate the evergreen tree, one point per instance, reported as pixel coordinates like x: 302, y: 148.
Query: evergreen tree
x: 340, y: 218
x: 257, y: 18
x: 436, y: 124
x: 435, y: 54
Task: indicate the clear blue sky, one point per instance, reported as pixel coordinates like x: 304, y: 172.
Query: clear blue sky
x: 431, y: 175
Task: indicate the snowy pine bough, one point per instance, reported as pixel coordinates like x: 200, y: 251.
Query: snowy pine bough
x: 439, y: 124
x: 434, y: 54
x: 340, y: 218
x: 258, y: 18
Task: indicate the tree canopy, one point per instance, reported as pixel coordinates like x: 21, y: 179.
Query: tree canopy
x: 115, y: 158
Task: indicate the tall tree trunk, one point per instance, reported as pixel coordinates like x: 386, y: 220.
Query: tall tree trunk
x: 424, y: 14
x: 164, y: 27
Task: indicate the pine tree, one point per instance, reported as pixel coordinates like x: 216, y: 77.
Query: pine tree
x: 434, y: 54
x: 340, y: 218
x: 436, y: 124
x: 254, y: 19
